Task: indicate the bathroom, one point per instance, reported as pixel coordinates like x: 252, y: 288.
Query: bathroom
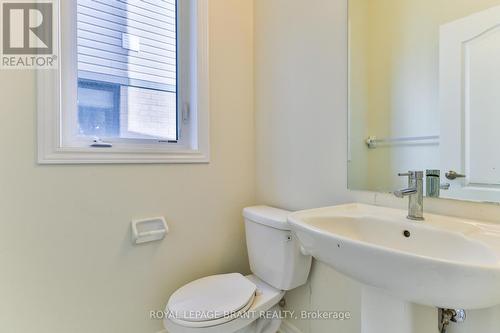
x: 279, y: 122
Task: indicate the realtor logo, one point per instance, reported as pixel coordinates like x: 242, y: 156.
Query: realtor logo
x: 28, y: 32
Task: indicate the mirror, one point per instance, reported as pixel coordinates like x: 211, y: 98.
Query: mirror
x: 424, y: 94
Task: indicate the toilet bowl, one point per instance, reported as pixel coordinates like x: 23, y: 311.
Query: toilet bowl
x: 233, y: 303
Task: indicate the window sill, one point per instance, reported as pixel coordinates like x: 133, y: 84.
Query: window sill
x: 105, y: 156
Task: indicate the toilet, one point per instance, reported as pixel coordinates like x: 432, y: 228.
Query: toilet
x: 233, y: 303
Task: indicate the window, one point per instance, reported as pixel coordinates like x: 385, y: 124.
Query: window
x: 98, y: 109
x: 130, y: 45
x: 132, y: 84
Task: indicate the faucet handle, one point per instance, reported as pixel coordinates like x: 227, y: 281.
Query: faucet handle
x: 412, y: 174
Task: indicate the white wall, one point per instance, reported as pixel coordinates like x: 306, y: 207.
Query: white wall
x: 67, y: 261
x: 300, y: 83
x: 301, y: 95
x: 301, y: 120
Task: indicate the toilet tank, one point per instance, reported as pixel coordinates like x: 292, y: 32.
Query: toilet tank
x: 273, y: 251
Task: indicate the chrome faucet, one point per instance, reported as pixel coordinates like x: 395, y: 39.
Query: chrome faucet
x: 415, y: 192
x: 433, y: 185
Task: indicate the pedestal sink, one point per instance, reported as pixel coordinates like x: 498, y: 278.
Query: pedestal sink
x: 443, y: 261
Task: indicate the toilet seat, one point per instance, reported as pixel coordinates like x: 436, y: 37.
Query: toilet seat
x: 211, y: 301
x: 265, y: 298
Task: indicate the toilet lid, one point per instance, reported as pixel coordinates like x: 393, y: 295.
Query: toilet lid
x: 211, y: 298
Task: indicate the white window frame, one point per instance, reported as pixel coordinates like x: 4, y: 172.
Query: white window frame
x: 57, y: 96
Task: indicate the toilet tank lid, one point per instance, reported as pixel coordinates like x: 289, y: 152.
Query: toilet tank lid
x: 269, y: 216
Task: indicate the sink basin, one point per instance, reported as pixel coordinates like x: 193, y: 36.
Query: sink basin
x: 443, y: 261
